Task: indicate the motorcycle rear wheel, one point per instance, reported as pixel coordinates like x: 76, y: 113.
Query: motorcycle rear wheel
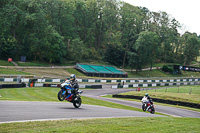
x: 152, y: 110
x: 61, y: 97
x: 77, y: 102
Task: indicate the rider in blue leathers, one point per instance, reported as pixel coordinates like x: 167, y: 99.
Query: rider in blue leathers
x: 74, y: 83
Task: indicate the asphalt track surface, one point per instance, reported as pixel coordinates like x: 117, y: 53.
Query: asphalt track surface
x: 172, y: 111
x: 22, y: 111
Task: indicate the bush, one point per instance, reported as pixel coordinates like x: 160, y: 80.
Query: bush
x: 165, y: 68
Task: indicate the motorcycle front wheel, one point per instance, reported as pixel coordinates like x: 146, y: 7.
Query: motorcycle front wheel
x: 61, y: 97
x: 77, y: 102
x: 143, y: 107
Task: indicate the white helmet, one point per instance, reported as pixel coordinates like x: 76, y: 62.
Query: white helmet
x: 72, y: 77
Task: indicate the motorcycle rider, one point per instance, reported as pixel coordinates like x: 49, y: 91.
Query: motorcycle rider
x: 74, y: 83
x: 150, y: 100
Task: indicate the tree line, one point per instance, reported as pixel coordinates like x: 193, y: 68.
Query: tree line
x: 82, y: 30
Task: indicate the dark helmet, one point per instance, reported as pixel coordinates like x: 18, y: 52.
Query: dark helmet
x: 146, y: 94
x: 72, y: 77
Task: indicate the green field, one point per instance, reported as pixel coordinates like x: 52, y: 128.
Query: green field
x: 34, y: 63
x: 159, y: 73
x: 5, y: 63
x: 74, y: 71
x: 108, y: 125
x: 12, y: 71
x: 182, y: 93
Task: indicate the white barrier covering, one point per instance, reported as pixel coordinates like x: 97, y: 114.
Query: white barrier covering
x: 79, y: 80
x: 41, y: 80
x: 38, y: 85
x: 55, y: 80
x: 114, y: 86
x: 113, y: 81
x: 103, y: 81
x: 162, y: 84
x: 123, y: 81
x: 125, y: 86
x: 8, y: 80
x: 91, y: 80
x: 81, y: 86
x: 145, y: 85
x: 24, y: 80
x: 154, y: 84
x: 135, y: 85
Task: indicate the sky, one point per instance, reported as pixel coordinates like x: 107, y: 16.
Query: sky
x: 186, y: 12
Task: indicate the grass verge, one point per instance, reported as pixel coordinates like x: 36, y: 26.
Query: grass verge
x: 181, y: 93
x: 159, y: 73
x: 107, y: 125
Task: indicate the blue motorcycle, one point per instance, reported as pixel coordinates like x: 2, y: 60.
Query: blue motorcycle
x: 69, y: 94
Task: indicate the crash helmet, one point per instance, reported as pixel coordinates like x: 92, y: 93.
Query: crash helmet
x: 72, y: 77
x: 146, y: 94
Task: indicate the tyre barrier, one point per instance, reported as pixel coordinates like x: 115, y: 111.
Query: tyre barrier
x: 154, y: 84
x: 186, y: 79
x: 180, y: 103
x: 12, y: 85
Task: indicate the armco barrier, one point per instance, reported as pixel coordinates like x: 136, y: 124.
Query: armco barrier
x: 186, y: 104
x: 12, y: 85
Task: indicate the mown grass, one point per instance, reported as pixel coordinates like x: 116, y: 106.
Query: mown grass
x: 74, y: 71
x: 182, y: 93
x: 12, y: 71
x: 159, y: 73
x: 107, y: 125
x: 33, y: 63
x: 5, y: 63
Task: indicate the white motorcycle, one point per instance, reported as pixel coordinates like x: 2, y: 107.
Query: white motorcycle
x: 146, y: 103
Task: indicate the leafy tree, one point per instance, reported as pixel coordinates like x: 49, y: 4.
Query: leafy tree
x: 145, y: 50
x: 130, y: 27
x: 191, y: 47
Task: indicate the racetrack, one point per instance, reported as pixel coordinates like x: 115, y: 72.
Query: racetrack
x: 21, y: 111
x: 172, y: 111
